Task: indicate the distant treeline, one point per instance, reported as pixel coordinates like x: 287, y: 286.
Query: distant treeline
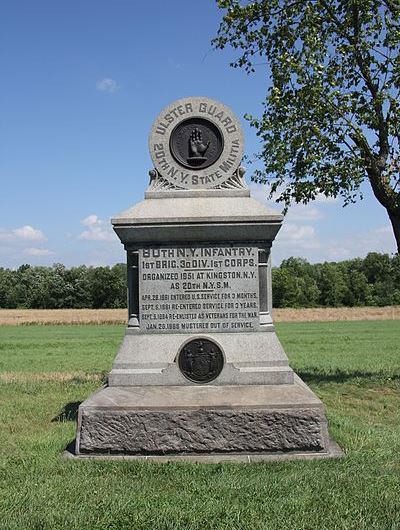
x: 57, y: 287
x: 372, y: 281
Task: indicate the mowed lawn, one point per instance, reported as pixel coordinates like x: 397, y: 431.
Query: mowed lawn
x: 45, y: 371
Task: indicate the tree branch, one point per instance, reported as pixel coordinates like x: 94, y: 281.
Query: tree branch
x: 366, y: 74
x: 393, y: 6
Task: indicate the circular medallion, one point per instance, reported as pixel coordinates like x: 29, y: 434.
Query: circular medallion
x: 196, y: 143
x: 201, y: 360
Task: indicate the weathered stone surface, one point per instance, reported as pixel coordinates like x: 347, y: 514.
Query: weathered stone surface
x: 208, y: 209
x: 202, y: 419
x: 201, y: 431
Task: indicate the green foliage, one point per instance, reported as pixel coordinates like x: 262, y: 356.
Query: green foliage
x: 373, y: 281
x: 295, y: 285
x: 108, y: 287
x: 59, y: 288
x: 330, y: 116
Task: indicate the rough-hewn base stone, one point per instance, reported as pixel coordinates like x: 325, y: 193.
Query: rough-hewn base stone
x: 200, y: 431
x: 202, y: 419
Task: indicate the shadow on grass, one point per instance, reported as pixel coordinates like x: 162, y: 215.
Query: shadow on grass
x: 71, y: 447
x: 69, y: 412
x: 341, y: 376
x: 316, y: 376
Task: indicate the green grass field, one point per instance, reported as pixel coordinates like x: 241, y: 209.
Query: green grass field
x: 45, y: 371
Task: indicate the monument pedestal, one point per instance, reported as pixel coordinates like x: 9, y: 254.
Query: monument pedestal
x: 256, y: 405
x: 168, y: 420
x: 200, y: 370
x: 250, y: 358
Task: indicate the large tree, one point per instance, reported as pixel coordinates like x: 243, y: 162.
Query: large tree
x: 331, y: 113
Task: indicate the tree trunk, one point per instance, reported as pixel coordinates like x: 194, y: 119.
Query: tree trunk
x: 387, y: 197
x: 395, y: 220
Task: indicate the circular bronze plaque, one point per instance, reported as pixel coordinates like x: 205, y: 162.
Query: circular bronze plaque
x: 201, y: 360
x: 196, y: 143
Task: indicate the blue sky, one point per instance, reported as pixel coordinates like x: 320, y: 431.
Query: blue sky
x: 82, y: 82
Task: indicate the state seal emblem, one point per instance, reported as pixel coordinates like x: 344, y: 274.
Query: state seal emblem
x: 201, y: 360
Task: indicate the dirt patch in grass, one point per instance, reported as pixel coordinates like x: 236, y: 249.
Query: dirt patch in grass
x: 15, y: 317
x: 327, y: 314
x: 119, y: 316
x: 59, y: 377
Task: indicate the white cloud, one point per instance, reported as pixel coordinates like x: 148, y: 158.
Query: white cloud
x: 304, y: 241
x: 261, y: 193
x: 304, y: 228
x: 97, y: 230
x: 358, y: 244
x: 18, y: 243
x: 258, y: 192
x: 292, y: 232
x: 32, y: 251
x: 387, y: 229
x: 296, y: 212
x: 27, y: 232
x: 107, y: 85
x: 91, y: 220
x: 297, y: 240
x: 322, y: 198
x: 24, y: 233
x: 303, y: 212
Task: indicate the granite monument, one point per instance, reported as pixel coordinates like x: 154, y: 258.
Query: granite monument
x: 200, y: 372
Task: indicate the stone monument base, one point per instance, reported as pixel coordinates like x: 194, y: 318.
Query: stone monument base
x: 150, y: 421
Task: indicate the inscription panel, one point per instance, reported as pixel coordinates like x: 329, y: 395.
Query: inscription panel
x: 198, y: 289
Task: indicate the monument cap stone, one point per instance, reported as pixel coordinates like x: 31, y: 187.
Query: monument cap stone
x: 196, y: 143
